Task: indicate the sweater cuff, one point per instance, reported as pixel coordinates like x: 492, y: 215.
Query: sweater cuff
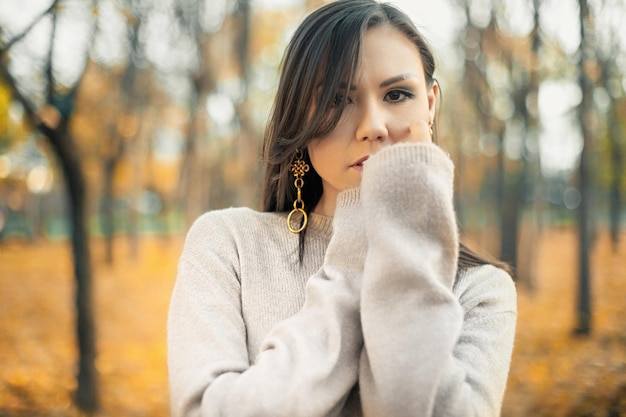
x: 405, y: 153
x: 347, y: 247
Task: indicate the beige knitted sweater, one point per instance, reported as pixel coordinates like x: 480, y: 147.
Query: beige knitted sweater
x: 375, y: 322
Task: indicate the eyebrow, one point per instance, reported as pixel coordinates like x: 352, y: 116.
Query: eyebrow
x: 385, y: 83
x: 394, y: 80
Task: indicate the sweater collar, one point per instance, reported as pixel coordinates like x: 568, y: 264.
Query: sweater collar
x: 320, y: 225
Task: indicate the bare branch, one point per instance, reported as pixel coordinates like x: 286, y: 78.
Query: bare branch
x: 48, y: 67
x: 92, y: 37
x: 17, y: 95
x: 25, y: 32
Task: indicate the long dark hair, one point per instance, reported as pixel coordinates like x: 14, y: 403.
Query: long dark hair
x: 321, y: 56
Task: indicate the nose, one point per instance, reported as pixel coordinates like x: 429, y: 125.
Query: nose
x: 371, y: 125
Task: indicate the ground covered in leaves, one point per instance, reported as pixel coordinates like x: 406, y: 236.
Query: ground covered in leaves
x: 553, y: 373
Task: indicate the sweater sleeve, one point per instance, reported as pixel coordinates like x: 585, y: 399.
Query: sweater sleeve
x: 423, y: 354
x: 308, y: 363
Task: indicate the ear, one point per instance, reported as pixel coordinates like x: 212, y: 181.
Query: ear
x: 433, y: 96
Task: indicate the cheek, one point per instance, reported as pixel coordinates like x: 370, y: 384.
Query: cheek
x: 422, y: 109
x: 319, y: 154
x: 402, y: 120
x: 325, y: 152
x: 417, y: 109
x: 326, y: 157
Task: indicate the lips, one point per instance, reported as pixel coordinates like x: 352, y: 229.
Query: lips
x: 359, y: 162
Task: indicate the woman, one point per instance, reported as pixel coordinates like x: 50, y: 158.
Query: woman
x: 350, y: 294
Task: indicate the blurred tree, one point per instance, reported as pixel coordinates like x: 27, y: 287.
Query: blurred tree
x: 530, y: 178
x: 5, y: 103
x: 480, y: 130
x: 52, y: 120
x: 616, y: 135
x: 248, y: 133
x: 192, y: 191
x: 521, y: 60
x: 214, y: 170
x: 610, y: 88
x: 487, y: 86
x: 502, y: 75
x: 586, y: 58
x: 124, y: 126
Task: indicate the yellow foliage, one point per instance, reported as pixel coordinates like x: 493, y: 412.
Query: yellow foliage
x: 5, y: 102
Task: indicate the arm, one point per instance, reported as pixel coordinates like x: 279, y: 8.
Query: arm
x: 307, y: 364
x: 419, y: 349
x: 475, y: 381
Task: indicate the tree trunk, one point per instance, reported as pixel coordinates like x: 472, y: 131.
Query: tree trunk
x: 510, y: 219
x: 106, y: 209
x: 66, y: 151
x: 616, y: 196
x: 584, y: 313
x: 86, y: 396
x: 64, y: 148
x: 617, y: 159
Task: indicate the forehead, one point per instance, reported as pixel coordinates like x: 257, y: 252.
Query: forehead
x: 385, y: 49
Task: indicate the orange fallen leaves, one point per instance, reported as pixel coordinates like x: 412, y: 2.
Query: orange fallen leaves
x: 37, y: 351
x: 553, y: 374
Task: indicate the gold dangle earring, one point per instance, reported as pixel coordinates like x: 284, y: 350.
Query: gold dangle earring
x: 299, y: 168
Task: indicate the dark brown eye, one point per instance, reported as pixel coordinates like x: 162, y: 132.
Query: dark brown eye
x: 340, y: 100
x: 398, y: 96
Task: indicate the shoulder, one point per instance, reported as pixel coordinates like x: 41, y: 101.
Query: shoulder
x: 224, y: 230
x: 231, y: 221
x: 486, y: 286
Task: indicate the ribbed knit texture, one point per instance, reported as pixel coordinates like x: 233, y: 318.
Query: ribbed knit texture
x: 377, y: 304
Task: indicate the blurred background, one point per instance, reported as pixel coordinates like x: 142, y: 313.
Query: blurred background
x: 121, y: 121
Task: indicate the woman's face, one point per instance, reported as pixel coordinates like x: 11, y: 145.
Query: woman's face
x: 389, y: 102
